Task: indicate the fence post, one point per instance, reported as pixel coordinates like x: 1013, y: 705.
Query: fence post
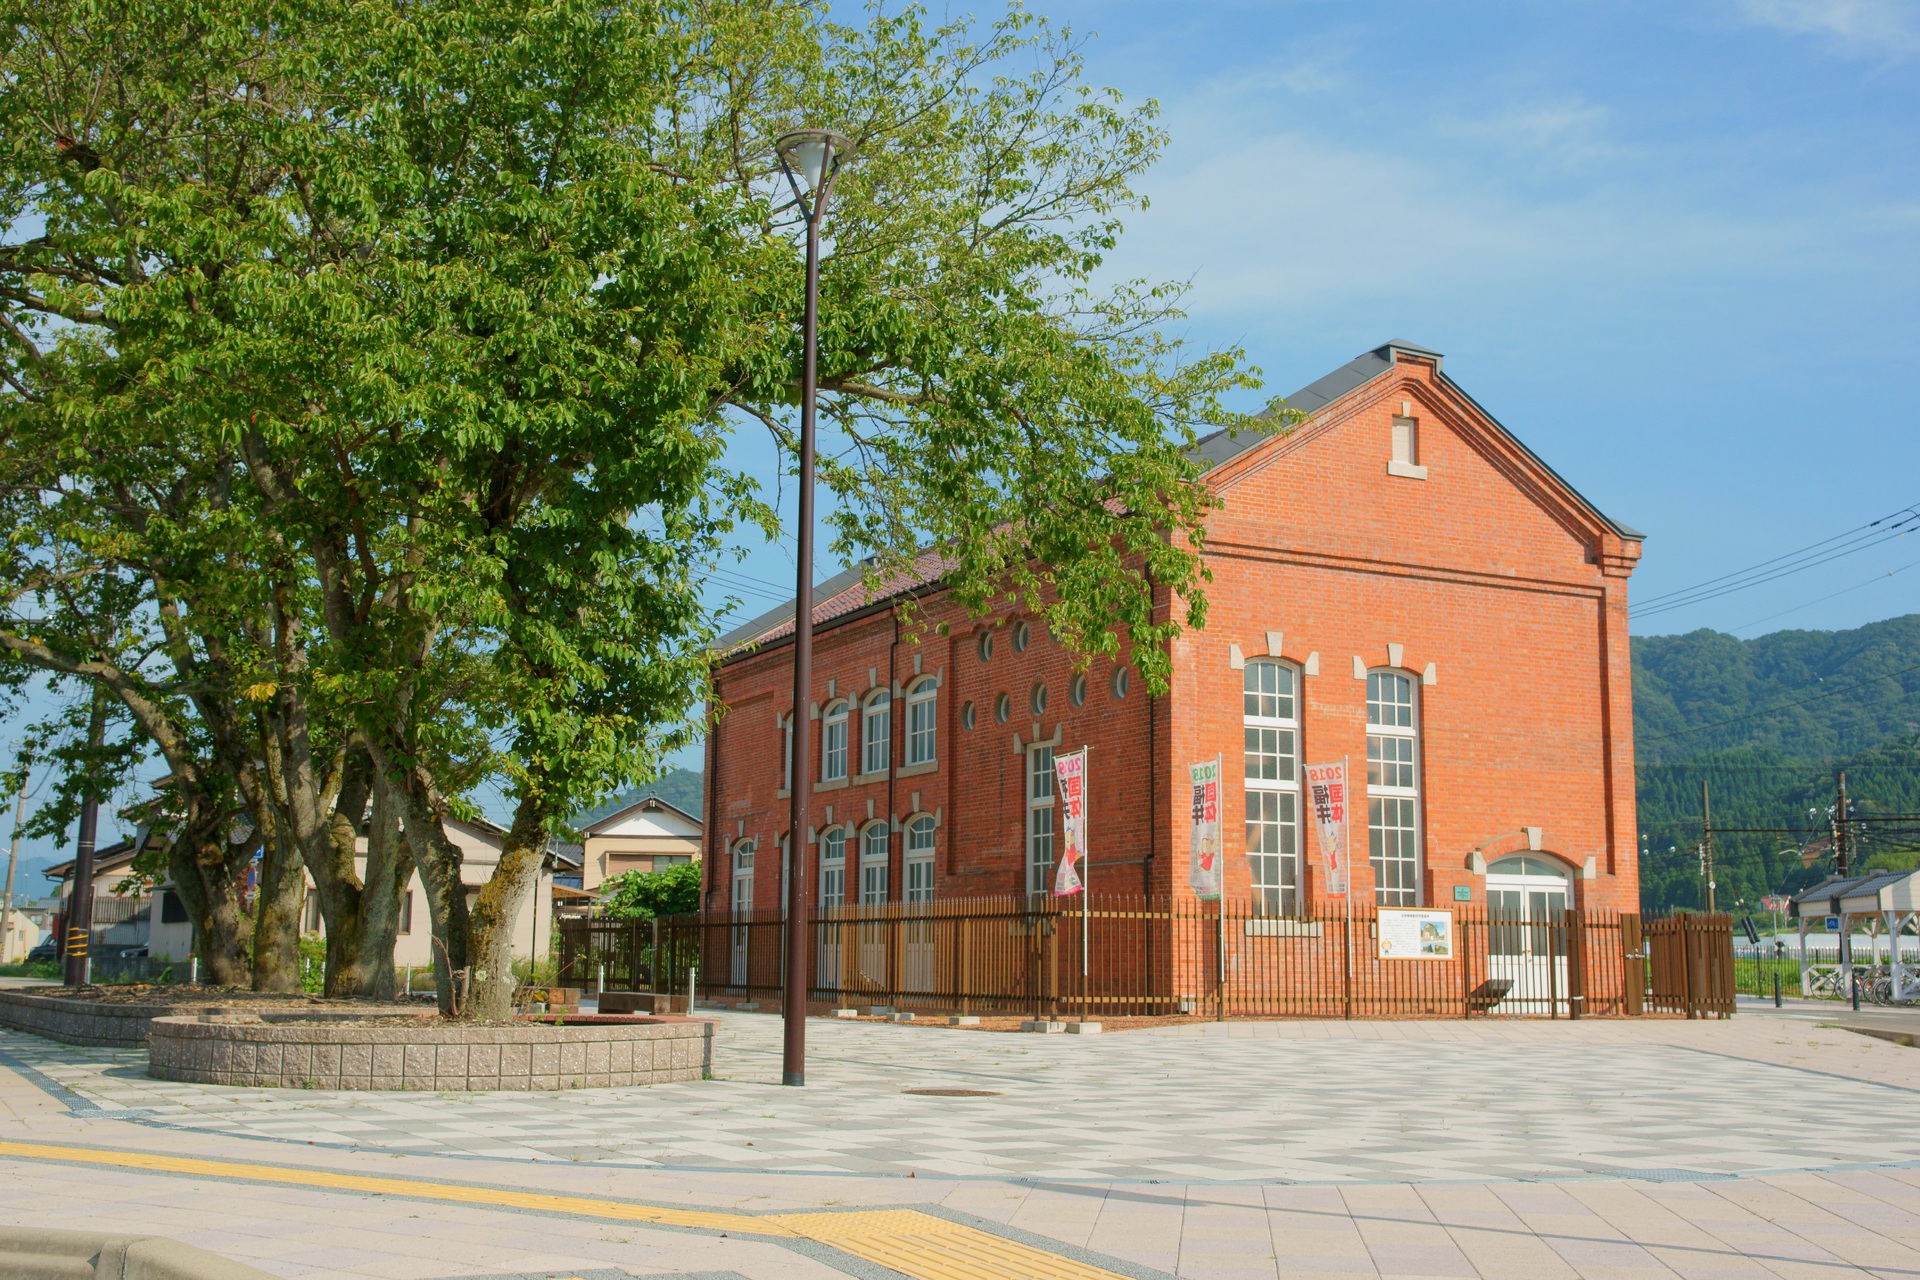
x: 1576, y: 965
x: 1633, y: 965
x: 966, y: 962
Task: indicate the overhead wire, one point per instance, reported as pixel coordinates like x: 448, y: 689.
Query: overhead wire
x: 1894, y: 525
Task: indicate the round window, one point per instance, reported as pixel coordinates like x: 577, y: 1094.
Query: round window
x: 966, y: 716
x: 1077, y: 691
x: 1039, y: 699
x: 1120, y: 682
x: 1021, y: 634
x: 1002, y: 708
x: 986, y: 645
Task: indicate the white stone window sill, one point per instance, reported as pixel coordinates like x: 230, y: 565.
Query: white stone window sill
x: 834, y: 785
x: 861, y: 779
x: 915, y: 770
x: 1407, y: 469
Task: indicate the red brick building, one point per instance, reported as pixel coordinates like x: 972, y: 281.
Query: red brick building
x: 1398, y: 581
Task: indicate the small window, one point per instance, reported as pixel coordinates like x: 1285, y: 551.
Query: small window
x: 918, y: 862
x: 922, y: 703
x: 1077, y: 691
x: 173, y: 908
x: 406, y: 912
x: 966, y: 716
x: 833, y: 867
x: 313, y: 919
x: 833, y: 743
x: 1002, y: 708
x: 1021, y: 635
x: 1119, y: 683
x: 1038, y: 699
x: 985, y: 646
x: 1406, y: 441
x: 876, y: 733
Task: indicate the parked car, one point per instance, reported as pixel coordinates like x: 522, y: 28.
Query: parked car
x: 43, y: 950
x: 134, y: 953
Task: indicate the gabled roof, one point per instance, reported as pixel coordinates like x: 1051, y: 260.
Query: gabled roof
x: 642, y: 805
x: 848, y: 592
x: 1223, y: 446
x: 109, y: 858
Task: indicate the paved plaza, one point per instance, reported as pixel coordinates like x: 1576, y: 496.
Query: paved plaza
x: 1760, y: 1146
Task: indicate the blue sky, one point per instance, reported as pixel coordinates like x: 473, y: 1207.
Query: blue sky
x: 1671, y: 246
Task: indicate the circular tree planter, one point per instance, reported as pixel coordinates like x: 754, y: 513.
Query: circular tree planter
x: 295, y: 1052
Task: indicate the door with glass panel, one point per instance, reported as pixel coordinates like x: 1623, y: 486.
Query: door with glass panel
x: 1526, y: 934
x: 918, y: 868
x: 833, y: 897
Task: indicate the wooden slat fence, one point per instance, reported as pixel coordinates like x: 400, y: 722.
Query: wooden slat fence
x: 1153, y: 956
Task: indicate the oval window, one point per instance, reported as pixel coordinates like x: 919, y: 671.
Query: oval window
x: 1039, y: 699
x: 1002, y: 708
x: 1021, y: 634
x: 985, y: 645
x: 966, y: 715
x: 1120, y: 682
x: 1077, y: 691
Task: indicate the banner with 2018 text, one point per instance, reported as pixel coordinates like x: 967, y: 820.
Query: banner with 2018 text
x: 1327, y: 790
x: 1071, y: 775
x: 1203, y: 839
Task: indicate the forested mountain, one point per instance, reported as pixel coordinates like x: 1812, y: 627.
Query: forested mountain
x: 1769, y: 723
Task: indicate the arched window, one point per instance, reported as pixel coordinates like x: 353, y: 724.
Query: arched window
x: 1270, y: 710
x: 833, y: 743
x: 918, y: 860
x: 743, y: 877
x: 833, y: 867
x: 876, y: 733
x: 921, y: 700
x: 1393, y: 789
x: 873, y: 863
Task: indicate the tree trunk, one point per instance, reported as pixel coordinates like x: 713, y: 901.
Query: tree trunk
x: 389, y: 870
x: 207, y: 877
x: 499, y: 905
x: 276, y: 929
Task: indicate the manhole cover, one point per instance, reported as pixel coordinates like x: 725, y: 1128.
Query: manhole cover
x: 954, y: 1093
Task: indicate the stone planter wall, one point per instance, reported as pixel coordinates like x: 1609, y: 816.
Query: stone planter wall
x: 116, y: 1026
x: 429, y: 1054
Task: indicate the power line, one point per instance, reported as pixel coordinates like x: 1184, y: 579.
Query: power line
x: 1811, y: 556
x: 1823, y: 599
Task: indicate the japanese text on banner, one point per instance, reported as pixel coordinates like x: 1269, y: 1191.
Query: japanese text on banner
x: 1203, y: 847
x: 1327, y: 787
x: 1072, y: 773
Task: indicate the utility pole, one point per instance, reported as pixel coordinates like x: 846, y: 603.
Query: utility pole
x: 1842, y: 834
x: 80, y: 901
x: 13, y: 853
x: 1706, y: 843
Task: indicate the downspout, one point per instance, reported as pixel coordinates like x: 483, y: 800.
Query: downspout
x: 896, y: 848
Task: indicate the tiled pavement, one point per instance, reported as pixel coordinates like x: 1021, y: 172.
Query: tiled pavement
x: 1414, y: 1149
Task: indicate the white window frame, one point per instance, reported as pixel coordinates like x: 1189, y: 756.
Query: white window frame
x: 833, y: 867
x: 923, y: 720
x: 917, y: 861
x: 1271, y: 720
x: 876, y: 732
x: 743, y: 852
x: 833, y: 742
x: 876, y: 849
x: 1041, y: 827
x: 1393, y: 787
x: 786, y: 772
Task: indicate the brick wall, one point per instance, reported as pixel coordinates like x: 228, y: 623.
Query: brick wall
x: 1502, y: 594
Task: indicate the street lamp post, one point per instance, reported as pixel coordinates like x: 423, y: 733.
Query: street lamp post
x: 810, y: 157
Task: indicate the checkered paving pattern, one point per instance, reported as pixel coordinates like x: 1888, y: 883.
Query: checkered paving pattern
x: 1474, y: 1102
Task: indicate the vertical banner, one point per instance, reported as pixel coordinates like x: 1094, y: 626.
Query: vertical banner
x: 1327, y: 785
x: 1071, y: 776
x: 1203, y: 840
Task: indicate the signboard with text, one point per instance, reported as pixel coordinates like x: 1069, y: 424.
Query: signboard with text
x: 1406, y: 934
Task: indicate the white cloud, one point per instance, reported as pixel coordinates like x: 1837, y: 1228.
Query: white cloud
x: 1885, y: 27
x: 1570, y: 132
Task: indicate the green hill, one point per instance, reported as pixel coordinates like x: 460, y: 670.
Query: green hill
x: 1769, y: 723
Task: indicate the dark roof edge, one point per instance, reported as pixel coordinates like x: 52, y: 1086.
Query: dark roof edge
x: 641, y: 803
x: 748, y: 648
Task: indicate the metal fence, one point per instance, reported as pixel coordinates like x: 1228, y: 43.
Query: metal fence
x: 1137, y: 956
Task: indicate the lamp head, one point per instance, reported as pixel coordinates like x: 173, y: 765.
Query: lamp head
x: 810, y: 155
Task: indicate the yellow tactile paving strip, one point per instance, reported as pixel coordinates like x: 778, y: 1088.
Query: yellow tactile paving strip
x: 915, y: 1244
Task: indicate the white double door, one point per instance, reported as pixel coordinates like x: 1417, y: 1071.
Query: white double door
x: 1527, y: 942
